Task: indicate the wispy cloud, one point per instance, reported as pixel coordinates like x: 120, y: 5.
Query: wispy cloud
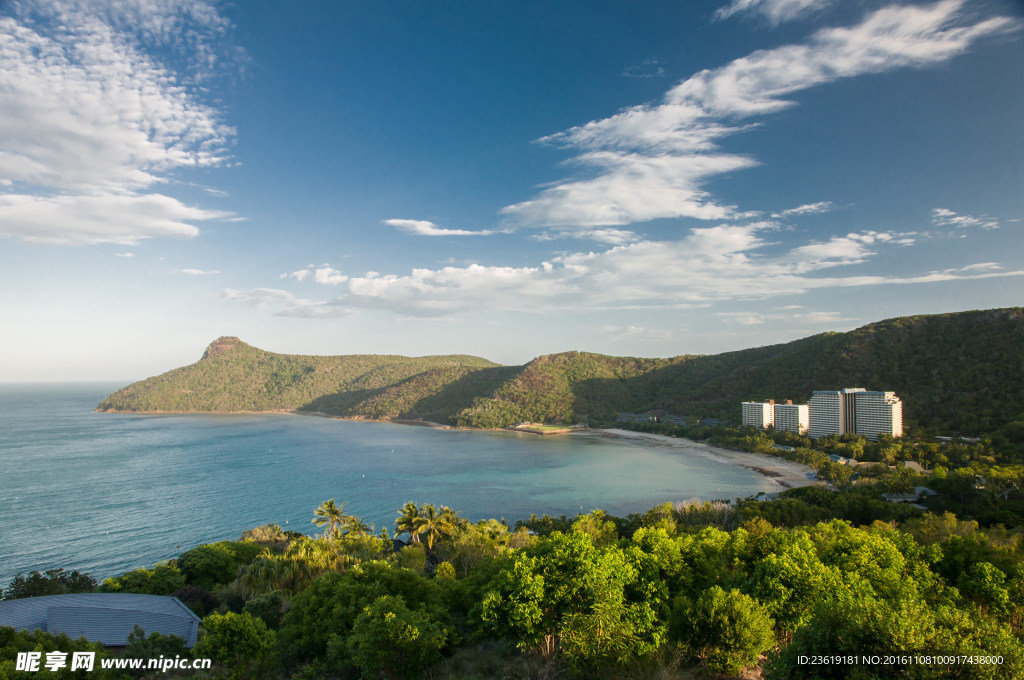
x: 99, y: 218
x: 299, y: 275
x: 943, y: 217
x: 197, y: 272
x: 806, y: 209
x: 92, y: 120
x: 652, y: 161
x: 826, y: 318
x: 842, y: 250
x: 425, y: 228
x: 284, y: 303
x: 648, y: 68
x: 635, y: 333
x: 775, y: 11
x: 599, y: 234
x: 709, y: 265
x: 323, y: 274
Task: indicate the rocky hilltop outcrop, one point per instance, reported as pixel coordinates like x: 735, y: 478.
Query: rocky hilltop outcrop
x: 222, y: 345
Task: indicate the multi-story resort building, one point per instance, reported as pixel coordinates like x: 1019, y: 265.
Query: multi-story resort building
x: 790, y: 417
x: 850, y: 410
x: 878, y: 413
x: 832, y: 412
x: 758, y: 414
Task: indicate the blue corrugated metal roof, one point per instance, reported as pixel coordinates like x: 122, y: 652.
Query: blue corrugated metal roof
x: 102, y: 617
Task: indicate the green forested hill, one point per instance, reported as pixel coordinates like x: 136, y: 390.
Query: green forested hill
x: 961, y: 371
x: 233, y: 376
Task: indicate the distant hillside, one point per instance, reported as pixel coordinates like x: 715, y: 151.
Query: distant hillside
x: 234, y: 376
x: 962, y: 371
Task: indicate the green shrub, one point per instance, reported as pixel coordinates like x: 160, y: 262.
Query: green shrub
x: 239, y: 642
x: 162, y: 579
x: 52, y: 582
x: 726, y: 630
x: 389, y: 640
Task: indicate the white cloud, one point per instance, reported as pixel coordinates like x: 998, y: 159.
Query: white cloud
x: 284, y: 303
x: 944, y: 217
x: 453, y: 260
x: 323, y: 274
x: 124, y: 254
x: 628, y: 188
x: 743, y: 318
x: 806, y: 209
x: 776, y: 11
x: 197, y: 272
x: 425, y: 228
x: 635, y: 333
x: 89, y: 116
x: 651, y: 161
x: 842, y: 250
x: 99, y: 218
x: 757, y: 318
x: 601, y: 235
x: 299, y: 275
x: 329, y: 276
x: 712, y: 264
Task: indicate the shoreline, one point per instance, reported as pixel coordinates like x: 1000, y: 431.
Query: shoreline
x: 786, y: 474
x: 283, y: 412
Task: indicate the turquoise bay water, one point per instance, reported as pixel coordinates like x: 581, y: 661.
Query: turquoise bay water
x: 105, y: 493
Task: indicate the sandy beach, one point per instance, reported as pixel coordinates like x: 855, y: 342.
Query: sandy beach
x: 784, y: 473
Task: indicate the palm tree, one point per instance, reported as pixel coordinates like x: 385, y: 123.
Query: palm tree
x: 357, y: 528
x: 453, y: 516
x: 270, y: 572
x: 406, y: 522
x: 330, y: 514
x: 435, y: 525
x: 293, y: 571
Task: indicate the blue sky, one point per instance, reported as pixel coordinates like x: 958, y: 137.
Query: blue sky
x: 504, y: 179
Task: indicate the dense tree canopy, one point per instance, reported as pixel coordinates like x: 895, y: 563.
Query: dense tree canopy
x: 681, y: 591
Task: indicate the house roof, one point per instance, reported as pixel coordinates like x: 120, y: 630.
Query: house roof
x: 102, y: 617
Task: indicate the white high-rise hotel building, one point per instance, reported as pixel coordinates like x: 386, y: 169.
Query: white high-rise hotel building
x: 758, y: 414
x: 852, y: 409
x: 832, y: 411
x: 878, y: 413
x: 788, y: 417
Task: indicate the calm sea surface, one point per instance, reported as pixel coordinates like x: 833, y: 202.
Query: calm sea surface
x: 105, y: 493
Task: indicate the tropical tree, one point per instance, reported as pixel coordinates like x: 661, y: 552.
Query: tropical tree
x: 295, y: 570
x: 406, y: 522
x: 53, y: 582
x: 333, y: 517
x: 162, y: 579
x: 435, y: 524
x: 212, y: 564
x: 601, y: 530
x: 566, y: 596
x: 726, y: 630
x: 240, y: 642
x: 389, y: 640
x: 328, y: 608
x: 357, y: 528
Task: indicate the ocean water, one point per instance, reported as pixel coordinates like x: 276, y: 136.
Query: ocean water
x: 106, y: 493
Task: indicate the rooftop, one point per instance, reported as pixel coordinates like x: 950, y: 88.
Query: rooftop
x: 102, y: 617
